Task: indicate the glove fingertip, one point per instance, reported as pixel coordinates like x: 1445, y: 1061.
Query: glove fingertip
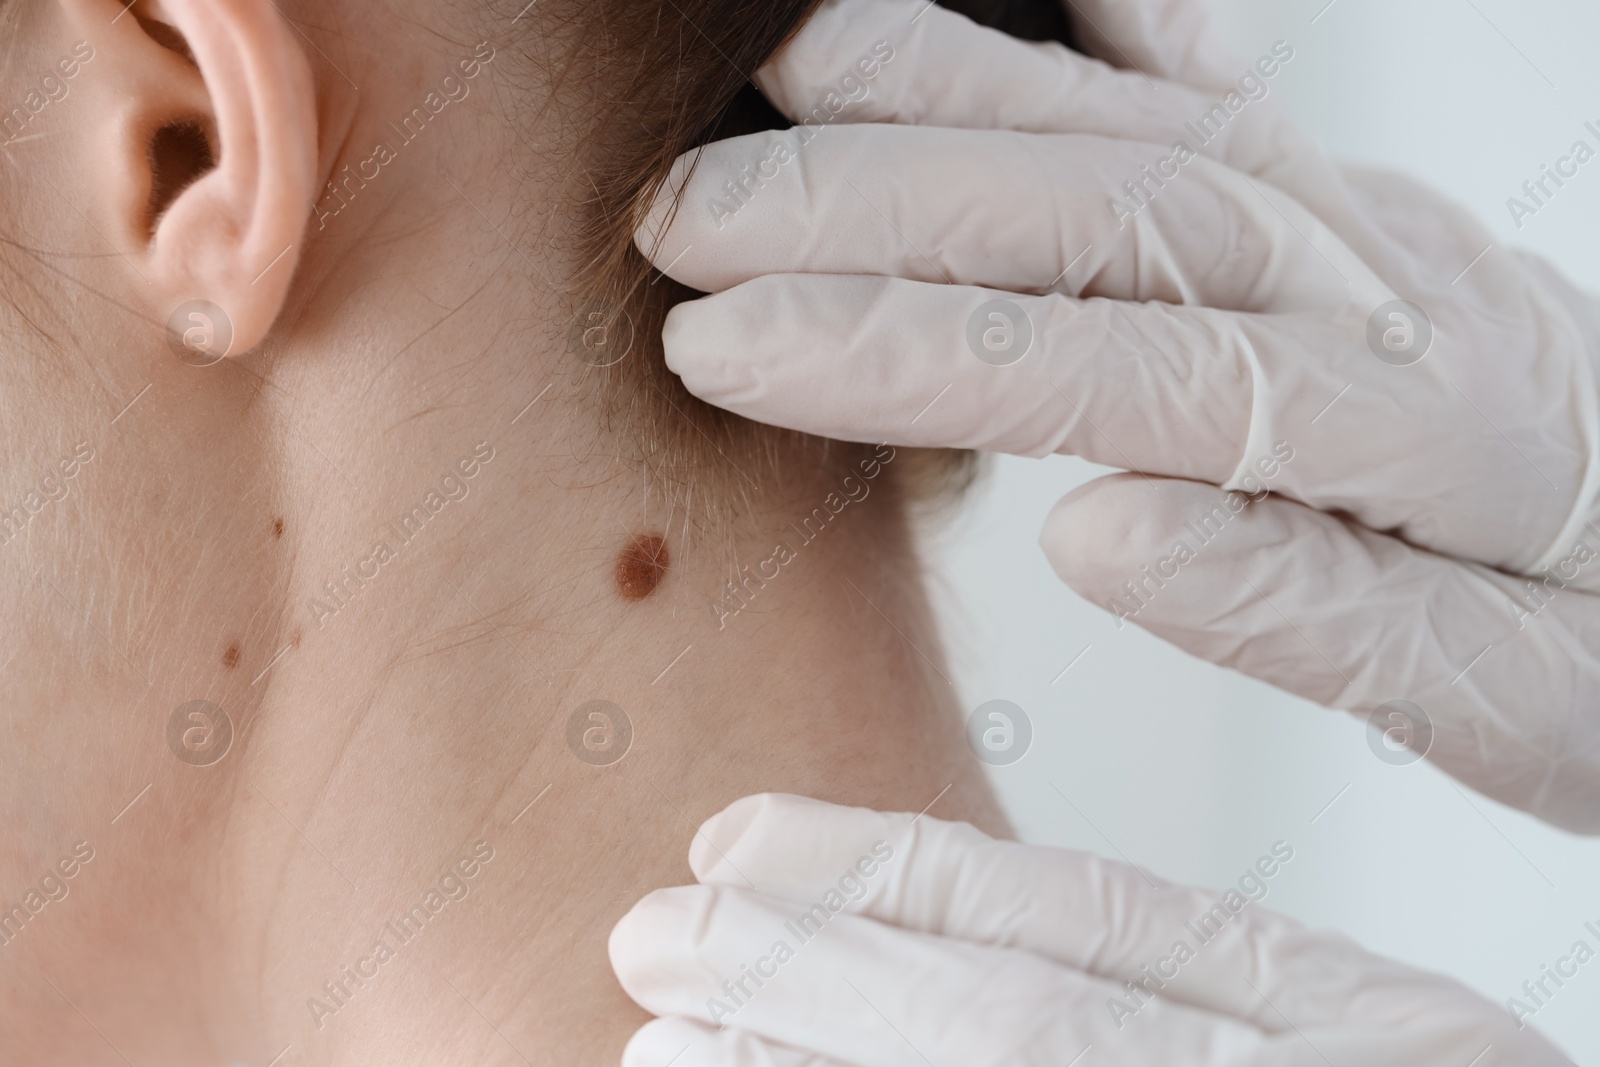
x: 647, y: 935
x: 708, y: 852
x: 654, y: 235
x: 1087, y: 537
x: 719, y: 837
x: 660, y: 1041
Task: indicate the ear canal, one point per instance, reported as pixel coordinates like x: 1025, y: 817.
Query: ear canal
x: 181, y: 151
x: 180, y: 154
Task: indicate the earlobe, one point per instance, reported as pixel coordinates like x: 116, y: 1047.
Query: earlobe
x: 207, y: 122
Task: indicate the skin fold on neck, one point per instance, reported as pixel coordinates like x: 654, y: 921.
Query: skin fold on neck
x: 411, y: 724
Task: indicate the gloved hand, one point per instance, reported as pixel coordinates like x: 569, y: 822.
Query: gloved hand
x: 1228, y: 319
x: 889, y: 940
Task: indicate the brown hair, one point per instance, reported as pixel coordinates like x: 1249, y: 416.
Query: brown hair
x: 670, y: 76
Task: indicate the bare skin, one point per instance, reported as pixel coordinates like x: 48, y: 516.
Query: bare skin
x: 418, y: 729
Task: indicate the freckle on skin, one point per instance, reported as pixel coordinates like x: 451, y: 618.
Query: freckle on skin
x: 295, y: 640
x: 230, y: 658
x: 641, y: 565
x: 277, y: 528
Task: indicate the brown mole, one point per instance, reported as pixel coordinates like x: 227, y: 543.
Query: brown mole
x: 277, y: 528
x: 641, y: 565
x: 230, y: 658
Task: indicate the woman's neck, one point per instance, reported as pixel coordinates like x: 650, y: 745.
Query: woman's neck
x: 318, y: 632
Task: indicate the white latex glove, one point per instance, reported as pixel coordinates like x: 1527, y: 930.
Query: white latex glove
x: 1224, y: 328
x: 948, y: 947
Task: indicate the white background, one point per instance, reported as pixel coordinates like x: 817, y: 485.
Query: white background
x: 1146, y: 754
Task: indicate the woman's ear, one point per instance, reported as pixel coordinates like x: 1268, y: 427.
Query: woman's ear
x: 207, y: 123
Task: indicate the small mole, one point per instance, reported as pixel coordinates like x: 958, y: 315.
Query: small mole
x: 295, y: 640
x: 230, y: 658
x: 641, y: 565
x: 277, y: 528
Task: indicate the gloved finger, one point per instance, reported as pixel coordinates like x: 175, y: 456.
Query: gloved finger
x: 868, y: 993
x: 1173, y: 39
x: 1500, y: 668
x: 679, y: 1042
x: 910, y: 61
x: 1085, y: 913
x: 905, y: 61
x: 1214, y: 952
x: 1178, y: 391
x: 1146, y: 387
x: 1017, y: 212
